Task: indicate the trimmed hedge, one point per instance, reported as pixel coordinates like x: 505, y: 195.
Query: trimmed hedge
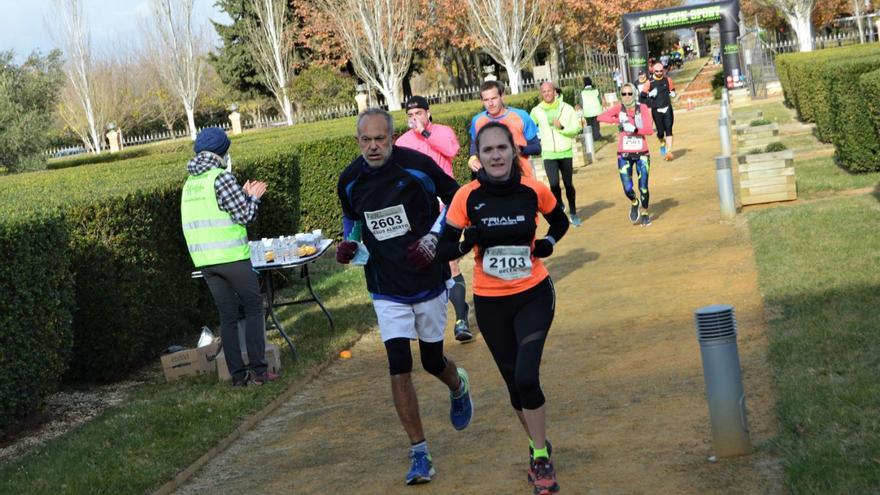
x: 805, y: 87
x: 870, y: 91
x: 36, y: 297
x: 114, y: 228
x: 853, y: 131
x: 830, y: 88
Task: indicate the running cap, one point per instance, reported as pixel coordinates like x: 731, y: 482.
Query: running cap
x: 417, y: 102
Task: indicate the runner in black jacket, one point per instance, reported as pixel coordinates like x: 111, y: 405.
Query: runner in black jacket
x: 393, y: 193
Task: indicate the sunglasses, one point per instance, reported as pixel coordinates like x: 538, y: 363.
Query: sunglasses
x: 626, y: 94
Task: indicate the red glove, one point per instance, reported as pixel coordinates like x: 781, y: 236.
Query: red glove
x: 345, y: 251
x: 421, y: 253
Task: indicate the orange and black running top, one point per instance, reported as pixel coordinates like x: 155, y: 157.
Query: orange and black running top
x: 507, y: 217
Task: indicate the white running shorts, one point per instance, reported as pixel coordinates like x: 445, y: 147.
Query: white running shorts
x: 425, y: 321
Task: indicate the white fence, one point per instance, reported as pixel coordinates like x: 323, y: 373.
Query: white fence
x: 599, y: 66
x: 819, y: 42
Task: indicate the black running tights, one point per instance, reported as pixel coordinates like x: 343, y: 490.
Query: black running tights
x: 515, y: 328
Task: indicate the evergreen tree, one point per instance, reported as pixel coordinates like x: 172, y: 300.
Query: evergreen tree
x: 28, y: 93
x: 233, y: 61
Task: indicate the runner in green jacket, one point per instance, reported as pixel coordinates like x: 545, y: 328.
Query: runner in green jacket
x: 557, y: 124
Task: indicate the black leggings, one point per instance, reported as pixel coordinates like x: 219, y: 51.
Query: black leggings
x: 553, y: 168
x: 233, y: 285
x: 515, y: 328
x: 663, y: 122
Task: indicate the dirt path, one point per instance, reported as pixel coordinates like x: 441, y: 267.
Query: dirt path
x: 622, y: 371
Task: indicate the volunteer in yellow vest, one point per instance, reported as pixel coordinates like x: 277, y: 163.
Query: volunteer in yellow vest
x: 592, y: 106
x: 557, y: 124
x: 213, y: 211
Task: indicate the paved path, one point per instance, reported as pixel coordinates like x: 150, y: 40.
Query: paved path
x: 622, y: 371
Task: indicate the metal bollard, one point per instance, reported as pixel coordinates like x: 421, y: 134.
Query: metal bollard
x: 724, y: 173
x: 588, y: 144
x: 716, y: 332
x: 724, y: 135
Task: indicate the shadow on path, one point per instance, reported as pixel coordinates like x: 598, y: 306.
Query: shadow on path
x: 677, y: 154
x: 593, y: 208
x: 658, y: 209
x: 562, y: 266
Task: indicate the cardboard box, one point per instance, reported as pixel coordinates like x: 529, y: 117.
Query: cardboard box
x: 190, y: 362
x: 273, y: 358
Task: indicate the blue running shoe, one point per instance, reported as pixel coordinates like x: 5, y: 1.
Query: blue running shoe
x: 575, y: 220
x: 421, y: 469
x: 462, y: 409
x: 634, y: 213
x: 663, y: 150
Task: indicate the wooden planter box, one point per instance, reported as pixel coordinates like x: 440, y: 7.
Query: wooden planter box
x: 740, y: 96
x: 750, y: 138
x: 766, y: 177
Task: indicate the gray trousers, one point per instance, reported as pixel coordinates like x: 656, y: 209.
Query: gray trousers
x: 235, y: 287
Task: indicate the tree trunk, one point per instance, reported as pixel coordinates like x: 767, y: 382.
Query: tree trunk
x: 391, y: 94
x: 191, y: 121
x: 96, y: 138
x: 803, y: 28
x: 513, y: 76
x: 857, y: 13
x: 465, y: 75
x: 477, y: 67
x: 286, y: 107
x: 554, y: 63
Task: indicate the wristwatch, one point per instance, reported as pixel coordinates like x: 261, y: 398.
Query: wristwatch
x: 426, y: 134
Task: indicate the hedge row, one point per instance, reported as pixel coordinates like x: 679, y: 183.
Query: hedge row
x: 805, y: 86
x: 99, y: 247
x: 36, y: 297
x: 825, y: 88
x: 870, y: 86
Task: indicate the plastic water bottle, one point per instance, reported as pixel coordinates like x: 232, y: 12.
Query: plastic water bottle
x: 356, y: 234
x: 258, y: 258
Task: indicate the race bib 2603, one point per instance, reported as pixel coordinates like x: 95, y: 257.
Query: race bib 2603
x: 387, y: 223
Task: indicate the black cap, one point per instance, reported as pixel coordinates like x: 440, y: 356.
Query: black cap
x: 417, y: 102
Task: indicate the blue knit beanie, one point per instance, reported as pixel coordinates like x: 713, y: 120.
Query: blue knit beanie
x: 212, y: 139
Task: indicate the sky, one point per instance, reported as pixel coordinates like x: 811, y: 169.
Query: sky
x: 23, y: 23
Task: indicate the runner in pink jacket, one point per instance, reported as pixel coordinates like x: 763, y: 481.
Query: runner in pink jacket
x: 635, y: 122
x: 441, y: 144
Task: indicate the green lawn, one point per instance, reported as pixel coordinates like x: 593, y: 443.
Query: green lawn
x: 820, y: 176
x: 774, y: 111
x: 162, y: 428
x: 818, y: 271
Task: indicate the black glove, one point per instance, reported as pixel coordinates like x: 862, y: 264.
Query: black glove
x: 473, y: 235
x: 345, y: 251
x: 421, y: 253
x: 543, y: 248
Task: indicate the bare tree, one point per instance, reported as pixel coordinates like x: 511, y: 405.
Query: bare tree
x: 798, y: 13
x: 510, y: 31
x: 77, y: 103
x: 379, y: 37
x: 269, y: 38
x: 113, y: 99
x: 857, y: 13
x: 181, y: 48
